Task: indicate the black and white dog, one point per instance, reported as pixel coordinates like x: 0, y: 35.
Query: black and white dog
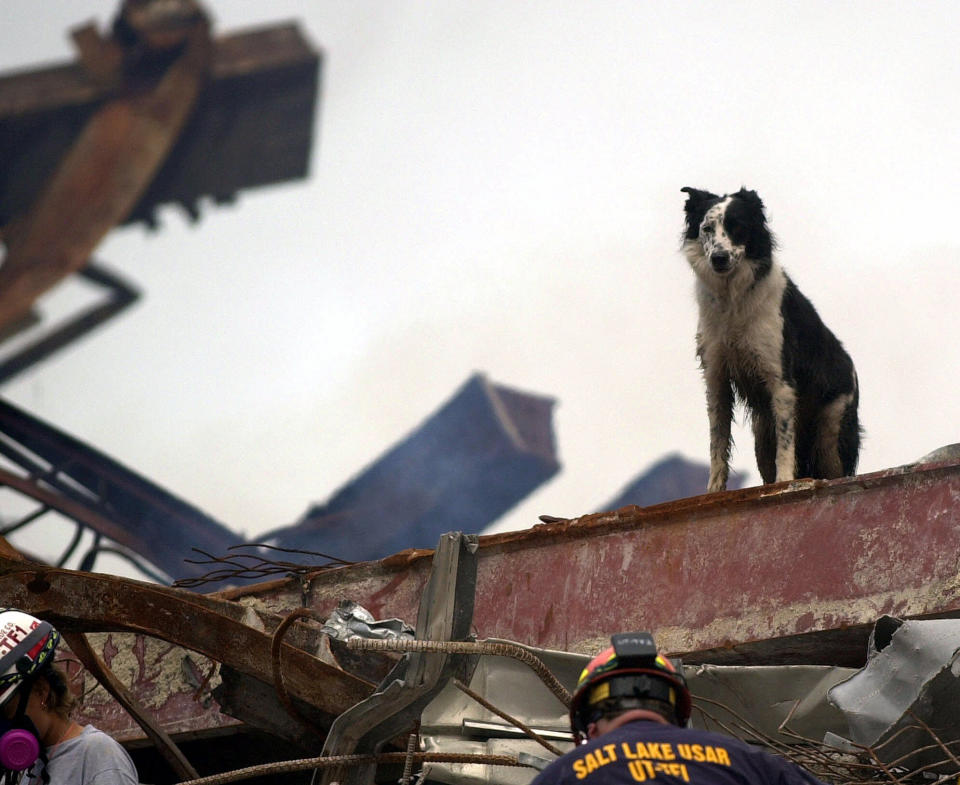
x: 760, y: 340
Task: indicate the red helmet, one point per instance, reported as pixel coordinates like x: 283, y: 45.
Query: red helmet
x: 630, y: 668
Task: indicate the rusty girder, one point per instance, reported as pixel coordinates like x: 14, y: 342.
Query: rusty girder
x: 103, y: 175
x: 222, y: 630
x: 63, y: 474
x: 788, y: 573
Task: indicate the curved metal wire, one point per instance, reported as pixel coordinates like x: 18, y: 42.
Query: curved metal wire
x: 252, y: 566
x: 276, y: 649
x: 512, y: 650
x: 302, y: 764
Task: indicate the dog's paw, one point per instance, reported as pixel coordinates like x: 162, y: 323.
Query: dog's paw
x: 717, y: 483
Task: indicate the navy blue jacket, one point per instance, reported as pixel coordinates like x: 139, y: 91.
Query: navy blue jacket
x: 667, y: 755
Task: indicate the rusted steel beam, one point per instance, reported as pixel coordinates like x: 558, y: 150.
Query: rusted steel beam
x: 260, y: 80
x: 120, y: 295
x: 7, y: 551
x: 221, y: 630
x: 100, y: 180
x: 479, y: 454
x: 55, y: 501
x: 72, y: 85
x: 102, y: 494
x: 717, y: 572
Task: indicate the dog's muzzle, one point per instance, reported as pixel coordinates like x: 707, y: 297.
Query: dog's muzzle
x: 720, y: 260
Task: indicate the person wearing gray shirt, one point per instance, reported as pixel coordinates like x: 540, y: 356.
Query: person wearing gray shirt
x: 89, y: 758
x: 37, y: 734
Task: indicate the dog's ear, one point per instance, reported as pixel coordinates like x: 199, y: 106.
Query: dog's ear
x: 751, y: 198
x: 694, y: 209
x: 695, y: 198
x: 761, y: 242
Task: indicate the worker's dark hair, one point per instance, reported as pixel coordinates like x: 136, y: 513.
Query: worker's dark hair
x: 61, y: 700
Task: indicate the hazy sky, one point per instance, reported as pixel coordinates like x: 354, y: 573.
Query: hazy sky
x: 496, y: 187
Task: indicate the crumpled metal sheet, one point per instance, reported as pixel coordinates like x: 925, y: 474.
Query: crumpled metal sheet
x: 763, y: 696
x: 912, y: 673
x: 767, y: 697
x: 514, y: 688
x: 350, y: 619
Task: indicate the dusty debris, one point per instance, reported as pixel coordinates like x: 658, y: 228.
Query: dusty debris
x: 907, y: 695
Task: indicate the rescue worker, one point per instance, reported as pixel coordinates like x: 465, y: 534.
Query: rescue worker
x: 628, y: 716
x: 37, y: 736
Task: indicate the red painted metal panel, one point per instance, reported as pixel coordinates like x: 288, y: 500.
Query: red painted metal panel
x: 705, y: 572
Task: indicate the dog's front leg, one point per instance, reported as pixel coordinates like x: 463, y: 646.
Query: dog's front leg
x: 720, y: 412
x: 785, y: 415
